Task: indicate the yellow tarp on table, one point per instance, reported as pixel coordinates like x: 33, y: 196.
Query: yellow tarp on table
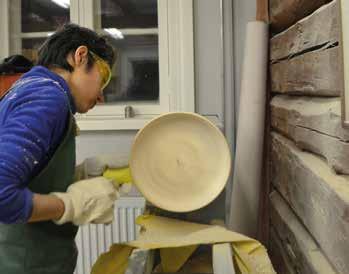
x: 177, y: 240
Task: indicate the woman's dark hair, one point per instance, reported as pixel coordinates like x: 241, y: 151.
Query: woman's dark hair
x: 54, y: 51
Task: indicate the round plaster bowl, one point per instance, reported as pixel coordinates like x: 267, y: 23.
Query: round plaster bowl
x: 180, y: 161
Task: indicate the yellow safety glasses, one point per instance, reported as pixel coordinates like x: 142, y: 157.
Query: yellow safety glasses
x: 103, y: 68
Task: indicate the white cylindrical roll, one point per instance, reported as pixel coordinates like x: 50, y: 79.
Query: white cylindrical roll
x: 250, y: 133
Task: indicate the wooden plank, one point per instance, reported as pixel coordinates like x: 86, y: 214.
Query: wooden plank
x: 263, y: 208
x: 304, y: 252
x: 322, y: 28
x: 319, y: 197
x: 262, y: 10
x: 284, y: 13
x: 344, y: 11
x: 281, y: 261
x: 222, y: 259
x: 315, y: 73
x: 320, y: 114
x: 335, y: 152
x: 314, y: 124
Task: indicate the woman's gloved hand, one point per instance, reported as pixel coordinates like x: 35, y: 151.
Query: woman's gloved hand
x: 88, y: 201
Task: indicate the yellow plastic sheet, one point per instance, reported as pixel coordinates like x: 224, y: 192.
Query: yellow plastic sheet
x: 201, y: 263
x: 172, y: 259
x: 163, y: 233
x: 113, y: 262
x: 118, y: 175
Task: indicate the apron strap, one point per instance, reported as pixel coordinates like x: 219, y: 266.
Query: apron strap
x: 4, y: 94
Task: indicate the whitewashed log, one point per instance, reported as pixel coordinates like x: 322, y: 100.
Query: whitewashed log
x: 314, y: 73
x: 322, y: 28
x: 319, y: 197
x: 314, y: 124
x: 319, y: 114
x: 281, y: 261
x: 304, y: 252
x: 284, y: 13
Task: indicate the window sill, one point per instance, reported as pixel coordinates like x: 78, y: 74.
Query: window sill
x: 120, y: 123
x: 112, y: 123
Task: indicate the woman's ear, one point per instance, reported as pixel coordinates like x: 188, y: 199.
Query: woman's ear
x: 81, y: 55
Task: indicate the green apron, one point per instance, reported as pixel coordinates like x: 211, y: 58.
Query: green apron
x: 44, y: 247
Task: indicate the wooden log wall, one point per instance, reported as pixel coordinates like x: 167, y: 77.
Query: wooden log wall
x: 309, y: 203
x: 295, y: 241
x: 287, y: 12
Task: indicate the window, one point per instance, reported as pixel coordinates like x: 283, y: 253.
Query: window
x: 153, y: 39
x: 32, y: 21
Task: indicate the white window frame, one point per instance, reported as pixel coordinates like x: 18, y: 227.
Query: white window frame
x: 176, y: 64
x: 4, y: 28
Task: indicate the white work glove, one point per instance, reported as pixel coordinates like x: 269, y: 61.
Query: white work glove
x: 88, y: 201
x: 95, y: 166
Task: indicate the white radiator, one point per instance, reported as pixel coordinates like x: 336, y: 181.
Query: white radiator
x: 93, y: 240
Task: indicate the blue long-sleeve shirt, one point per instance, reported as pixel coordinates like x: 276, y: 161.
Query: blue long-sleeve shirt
x: 33, y: 119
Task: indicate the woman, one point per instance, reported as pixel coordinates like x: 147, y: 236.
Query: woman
x: 40, y: 208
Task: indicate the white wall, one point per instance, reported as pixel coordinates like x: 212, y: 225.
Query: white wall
x: 208, y: 57
x: 90, y: 144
